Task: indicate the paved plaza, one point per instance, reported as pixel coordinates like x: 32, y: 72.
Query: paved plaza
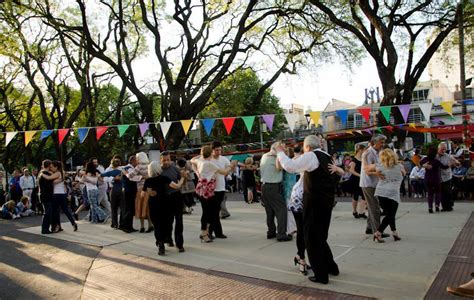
x: 246, y: 265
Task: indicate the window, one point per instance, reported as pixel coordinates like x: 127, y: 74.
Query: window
x: 420, y: 95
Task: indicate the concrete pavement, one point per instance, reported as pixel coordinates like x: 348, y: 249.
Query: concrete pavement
x: 393, y: 270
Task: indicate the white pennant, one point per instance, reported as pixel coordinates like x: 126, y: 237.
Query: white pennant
x: 426, y: 110
x: 165, y: 127
x: 9, y: 137
x: 291, y: 119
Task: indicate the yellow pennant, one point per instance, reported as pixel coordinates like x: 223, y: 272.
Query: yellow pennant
x: 315, y: 115
x: 448, y: 107
x: 29, y: 136
x: 412, y: 125
x: 186, y: 125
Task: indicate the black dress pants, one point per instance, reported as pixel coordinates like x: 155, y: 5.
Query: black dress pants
x: 116, y: 198
x: 316, y: 221
x: 176, y: 202
x: 127, y: 209
x: 215, y: 208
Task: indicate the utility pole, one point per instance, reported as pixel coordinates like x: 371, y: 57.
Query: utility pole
x: 465, y: 117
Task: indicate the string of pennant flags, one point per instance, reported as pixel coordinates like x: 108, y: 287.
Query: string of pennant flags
x: 228, y: 122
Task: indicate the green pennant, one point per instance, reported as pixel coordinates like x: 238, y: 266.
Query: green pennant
x: 248, y: 120
x: 386, y: 112
x: 122, y: 129
x: 379, y: 130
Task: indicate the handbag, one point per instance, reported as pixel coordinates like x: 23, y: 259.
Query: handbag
x: 205, y: 188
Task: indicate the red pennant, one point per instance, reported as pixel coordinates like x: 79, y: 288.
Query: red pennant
x: 228, y: 123
x: 389, y: 128
x: 99, y: 131
x: 62, y: 134
x: 365, y: 112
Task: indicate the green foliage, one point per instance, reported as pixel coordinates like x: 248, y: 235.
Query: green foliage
x: 236, y: 96
x: 349, y: 146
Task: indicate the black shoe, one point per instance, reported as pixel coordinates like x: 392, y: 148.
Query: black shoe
x: 114, y: 226
x: 285, y: 238
x: 363, y: 216
x: 334, y: 270
x: 75, y: 227
x: 221, y: 236
x: 142, y: 230
x: 368, y: 231
x: 46, y: 232
x: 133, y: 229
x: 356, y: 215
x: 271, y: 236
x: 161, y: 249
x: 126, y: 230
x: 170, y: 243
x: 76, y: 216
x: 181, y: 250
x: 225, y: 217
x: 430, y: 210
x: 385, y: 235
x: 437, y: 209
x: 319, y: 280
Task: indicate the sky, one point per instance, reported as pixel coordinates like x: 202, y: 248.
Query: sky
x: 316, y: 88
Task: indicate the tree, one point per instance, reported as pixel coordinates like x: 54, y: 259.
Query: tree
x: 391, y: 29
x: 237, y: 96
x: 214, y: 40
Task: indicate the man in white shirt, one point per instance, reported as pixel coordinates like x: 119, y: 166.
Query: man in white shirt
x: 417, y: 177
x: 222, y: 163
x: 27, y: 184
x: 318, y: 201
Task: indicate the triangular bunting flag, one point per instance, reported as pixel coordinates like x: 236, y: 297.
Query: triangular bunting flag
x: 379, y: 130
x: 389, y: 128
x: 29, y: 136
x: 62, y: 134
x: 405, y: 111
x: 349, y: 132
x: 426, y: 110
x: 228, y: 123
x: 99, y: 131
x: 412, y: 125
x: 386, y: 112
x: 368, y: 131
x: 291, y: 120
x: 9, y: 137
x: 186, y: 125
x: 82, y: 134
x: 448, y: 107
x: 165, y: 127
x: 268, y: 119
x: 365, y: 112
x: 248, y: 121
x: 315, y: 115
x: 208, y: 124
x: 342, y: 114
x: 358, y: 131
x: 45, y: 134
x: 122, y: 129
x: 143, y: 128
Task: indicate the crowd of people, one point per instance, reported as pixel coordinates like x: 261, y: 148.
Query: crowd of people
x: 296, y: 186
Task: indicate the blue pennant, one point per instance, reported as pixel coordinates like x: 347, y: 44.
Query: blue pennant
x: 82, y: 134
x: 45, y: 134
x: 342, y: 114
x: 208, y: 124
